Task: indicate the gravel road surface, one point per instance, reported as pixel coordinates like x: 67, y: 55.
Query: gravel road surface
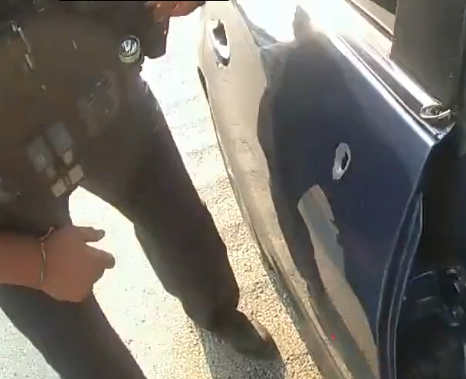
x: 151, y: 322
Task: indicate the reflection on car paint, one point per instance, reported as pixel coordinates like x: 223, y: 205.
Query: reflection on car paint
x: 316, y: 211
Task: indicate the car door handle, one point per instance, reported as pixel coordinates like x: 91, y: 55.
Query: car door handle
x: 219, y: 42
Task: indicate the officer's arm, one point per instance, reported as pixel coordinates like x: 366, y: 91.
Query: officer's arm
x: 20, y: 260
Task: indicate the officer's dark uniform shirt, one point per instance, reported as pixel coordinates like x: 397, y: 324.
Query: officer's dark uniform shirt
x: 63, y: 89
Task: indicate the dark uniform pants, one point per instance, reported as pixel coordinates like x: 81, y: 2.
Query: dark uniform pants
x: 176, y: 231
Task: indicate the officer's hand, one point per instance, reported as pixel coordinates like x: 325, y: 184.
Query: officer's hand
x: 172, y: 8
x: 72, y: 266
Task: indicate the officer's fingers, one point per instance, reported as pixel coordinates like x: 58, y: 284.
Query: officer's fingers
x: 101, y: 273
x: 162, y: 5
x: 91, y: 234
x: 106, y: 259
x: 183, y: 8
x: 161, y: 8
x: 75, y: 299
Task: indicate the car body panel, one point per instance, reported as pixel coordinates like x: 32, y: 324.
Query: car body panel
x: 320, y: 134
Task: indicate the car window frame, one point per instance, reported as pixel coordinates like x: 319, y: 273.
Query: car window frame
x: 429, y: 45
x: 379, y: 17
x: 436, y: 62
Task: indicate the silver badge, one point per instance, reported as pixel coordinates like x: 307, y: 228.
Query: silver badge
x: 130, y: 50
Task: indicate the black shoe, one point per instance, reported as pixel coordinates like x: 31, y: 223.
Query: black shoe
x: 248, y: 338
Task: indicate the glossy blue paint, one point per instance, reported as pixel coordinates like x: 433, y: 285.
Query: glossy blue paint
x: 339, y: 101
x: 369, y: 202
x: 287, y: 99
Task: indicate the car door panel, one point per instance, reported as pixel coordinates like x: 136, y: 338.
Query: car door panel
x: 327, y: 162
x: 347, y: 107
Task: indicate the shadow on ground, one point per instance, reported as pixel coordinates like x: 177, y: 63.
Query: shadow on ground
x: 224, y: 363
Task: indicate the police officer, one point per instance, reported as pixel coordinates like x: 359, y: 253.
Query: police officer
x: 48, y: 269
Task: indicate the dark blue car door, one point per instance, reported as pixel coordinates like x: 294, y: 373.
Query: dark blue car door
x: 327, y: 158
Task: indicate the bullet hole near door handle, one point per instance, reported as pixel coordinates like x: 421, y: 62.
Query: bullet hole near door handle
x: 342, y: 161
x: 220, y: 34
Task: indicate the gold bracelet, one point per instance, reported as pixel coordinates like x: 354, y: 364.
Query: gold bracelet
x: 43, y: 265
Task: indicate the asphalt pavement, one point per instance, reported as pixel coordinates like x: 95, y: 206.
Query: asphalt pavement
x: 151, y: 322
